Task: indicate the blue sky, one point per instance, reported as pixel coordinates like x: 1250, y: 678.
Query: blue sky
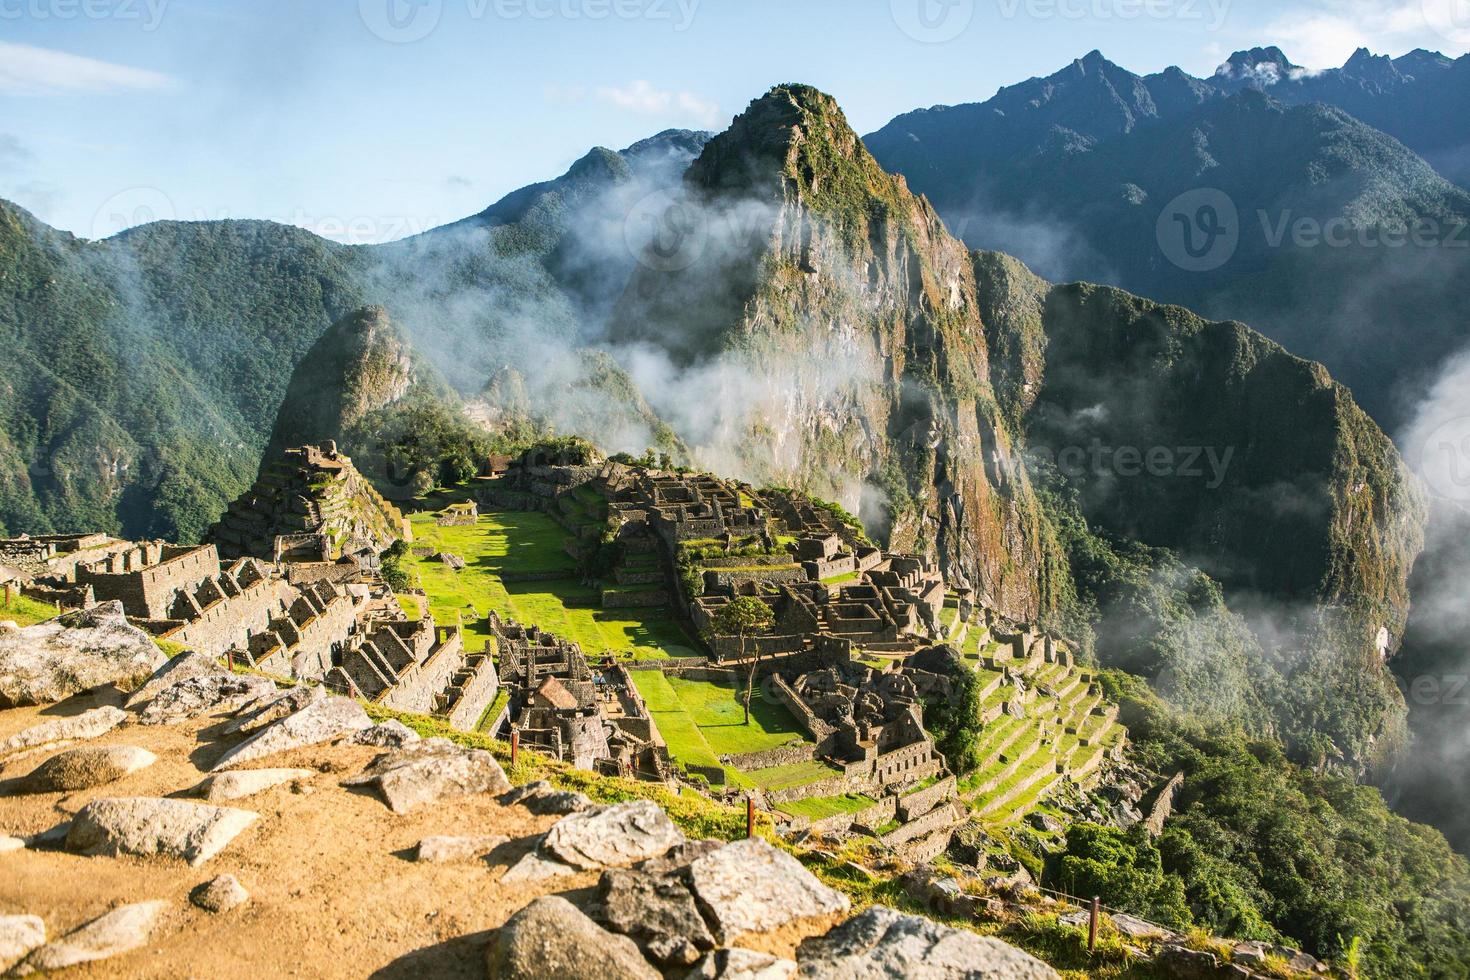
x: 370, y: 119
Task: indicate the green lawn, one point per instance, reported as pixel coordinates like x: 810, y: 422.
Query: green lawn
x: 27, y: 612
x: 532, y: 542
x: 702, y: 720
x: 820, y: 807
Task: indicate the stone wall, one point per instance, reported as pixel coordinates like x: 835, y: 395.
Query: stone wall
x: 231, y: 621
x: 147, y: 592
x: 917, y: 804
x: 635, y: 600
x: 784, y: 755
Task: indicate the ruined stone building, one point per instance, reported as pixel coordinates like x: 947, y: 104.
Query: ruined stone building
x: 309, y: 505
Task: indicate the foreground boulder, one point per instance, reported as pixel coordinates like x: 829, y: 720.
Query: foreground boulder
x: 180, y: 668
x: 551, y: 940
x: 238, y: 784
x: 86, y: 767
x: 657, y: 912
x: 612, y: 836
x: 883, y: 943
x: 391, y: 734
x: 120, y: 931
x: 195, y: 696
x: 281, y: 704
x: 320, y: 721
x: 73, y: 653
x: 19, y: 934
x: 544, y: 799
x: 146, y: 826
x: 750, y: 886
x: 88, y: 724
x: 429, y: 771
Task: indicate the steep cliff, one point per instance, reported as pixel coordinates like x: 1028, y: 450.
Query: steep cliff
x: 836, y: 329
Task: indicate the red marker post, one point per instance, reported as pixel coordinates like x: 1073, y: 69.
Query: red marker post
x: 515, y: 746
x: 1092, y: 924
x: 749, y: 817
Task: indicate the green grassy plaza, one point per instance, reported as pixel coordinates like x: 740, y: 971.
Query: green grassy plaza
x: 528, y: 544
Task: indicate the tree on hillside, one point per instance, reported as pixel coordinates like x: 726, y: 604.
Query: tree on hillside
x: 743, y: 616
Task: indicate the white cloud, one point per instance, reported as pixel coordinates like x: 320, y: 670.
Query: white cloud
x: 27, y: 70
x: 642, y: 97
x: 1327, y: 32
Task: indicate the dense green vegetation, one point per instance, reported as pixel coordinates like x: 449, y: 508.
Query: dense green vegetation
x: 1262, y: 848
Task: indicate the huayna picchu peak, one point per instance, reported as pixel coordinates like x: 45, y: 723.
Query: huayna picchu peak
x: 1024, y: 543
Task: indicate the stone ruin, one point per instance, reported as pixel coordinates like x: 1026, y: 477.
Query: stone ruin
x: 561, y: 706
x: 311, y: 504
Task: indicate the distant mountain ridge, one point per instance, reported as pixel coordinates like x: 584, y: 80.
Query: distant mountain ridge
x: 1073, y: 173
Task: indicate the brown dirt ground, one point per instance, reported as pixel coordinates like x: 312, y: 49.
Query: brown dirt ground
x: 334, y: 892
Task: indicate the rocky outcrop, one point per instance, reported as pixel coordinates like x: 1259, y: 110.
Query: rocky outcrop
x: 73, y: 653
x: 750, y: 886
x: 391, y: 734
x: 88, y: 724
x: 148, y: 827
x: 741, y: 964
x: 883, y: 943
x: 320, y: 721
x: 656, y: 911
x: 179, y: 668
x: 550, y: 939
x: 202, y: 694
x: 429, y: 771
x: 612, y: 836
x: 543, y: 799
x: 120, y: 931
x: 83, y: 768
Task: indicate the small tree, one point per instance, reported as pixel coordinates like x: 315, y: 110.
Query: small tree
x: 743, y: 616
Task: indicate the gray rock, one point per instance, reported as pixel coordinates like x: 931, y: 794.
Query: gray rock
x: 613, y: 836
x: 220, y: 894
x: 273, y: 707
x: 1183, y: 963
x: 551, y: 940
x: 680, y: 857
x: 431, y: 770
x: 146, y: 826
x: 88, y: 724
x: 120, y: 931
x: 545, y: 800
x: 240, y: 783
x: 73, y: 653
x: 1251, y: 953
x: 741, y: 964
x: 180, y: 668
x: 656, y: 912
x: 8, y: 844
x: 534, y: 867
x: 195, y: 696
x: 19, y: 934
x: 320, y: 721
x: 444, y: 850
x: 83, y: 768
x: 1133, y: 928
x: 391, y: 734
x: 750, y: 886
x: 883, y: 943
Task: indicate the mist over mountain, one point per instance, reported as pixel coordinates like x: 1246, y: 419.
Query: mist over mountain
x: 1342, y: 243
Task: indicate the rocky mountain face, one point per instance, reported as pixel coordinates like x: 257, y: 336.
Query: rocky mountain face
x: 359, y: 365
x: 1315, y: 216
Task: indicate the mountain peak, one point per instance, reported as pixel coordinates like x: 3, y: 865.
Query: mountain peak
x: 1257, y: 66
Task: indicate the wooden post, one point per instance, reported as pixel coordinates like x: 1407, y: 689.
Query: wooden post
x: 230, y: 659
x: 515, y: 746
x: 8, y: 592
x: 749, y: 817
x: 1092, y: 924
